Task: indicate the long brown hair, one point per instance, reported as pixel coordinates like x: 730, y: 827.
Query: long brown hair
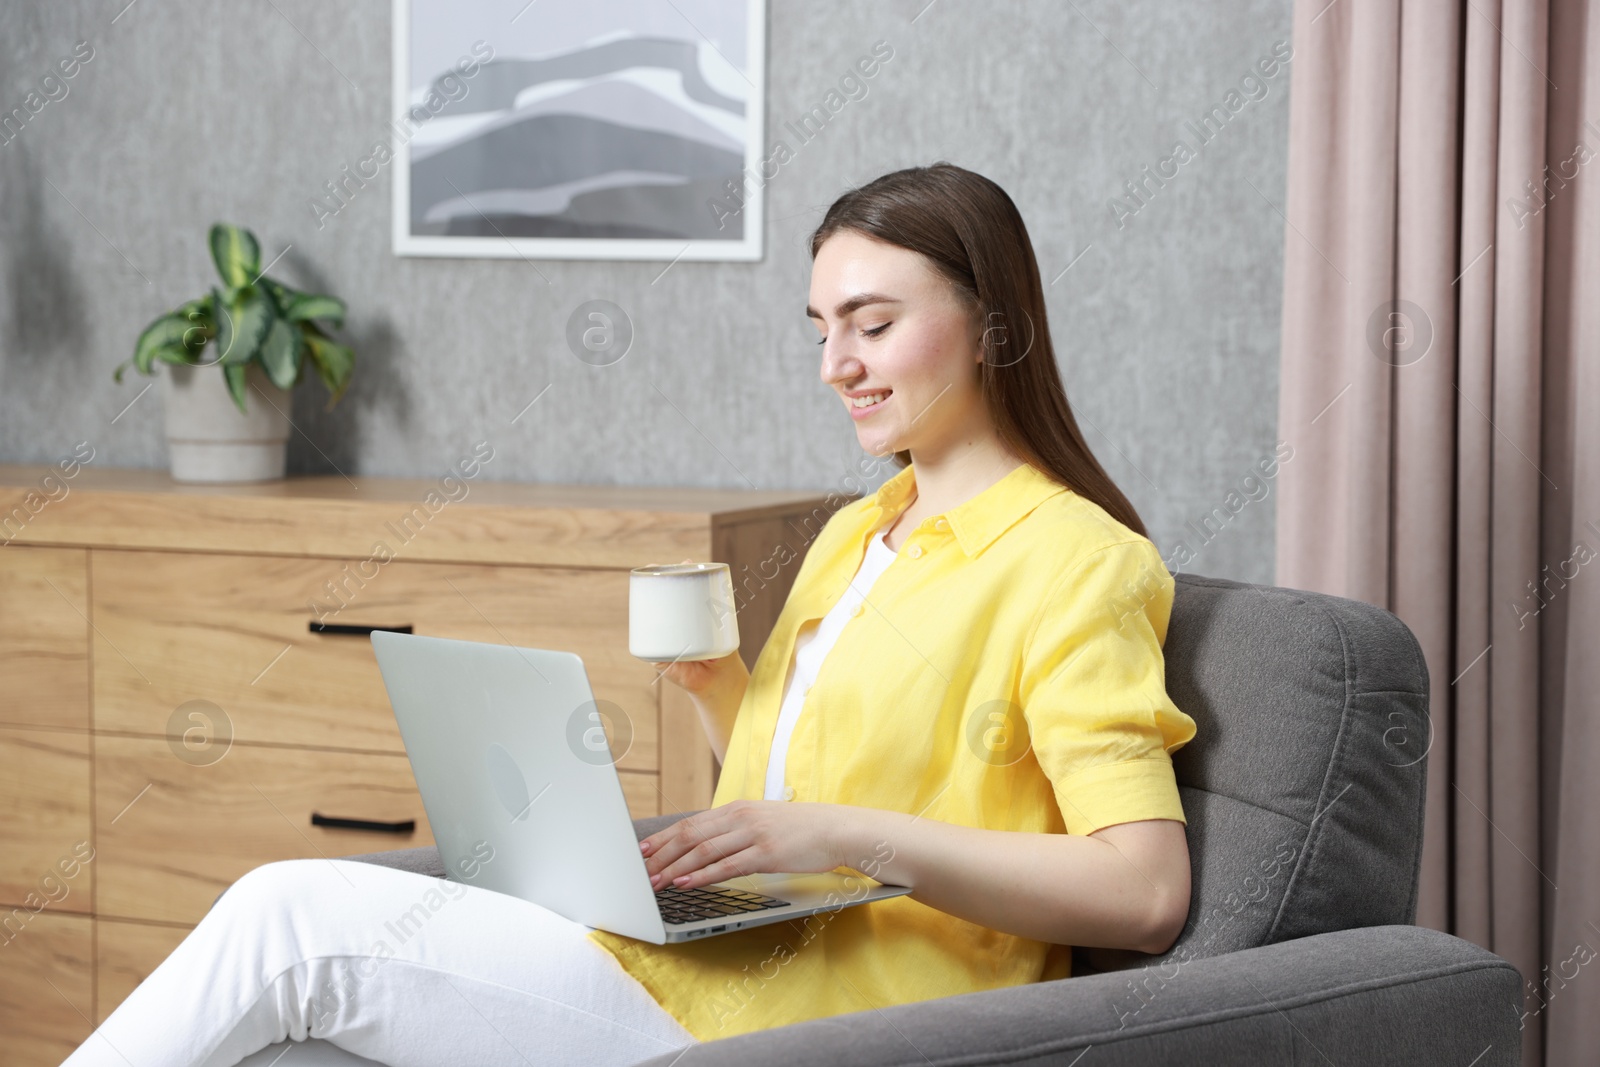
x: 969, y: 229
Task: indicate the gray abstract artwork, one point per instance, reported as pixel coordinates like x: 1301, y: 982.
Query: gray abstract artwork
x: 622, y: 121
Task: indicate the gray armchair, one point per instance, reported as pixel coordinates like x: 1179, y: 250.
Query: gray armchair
x: 1304, y: 795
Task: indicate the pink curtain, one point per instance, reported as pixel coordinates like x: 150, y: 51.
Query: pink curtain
x: 1440, y: 383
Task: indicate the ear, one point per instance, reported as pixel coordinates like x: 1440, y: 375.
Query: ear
x: 979, y: 323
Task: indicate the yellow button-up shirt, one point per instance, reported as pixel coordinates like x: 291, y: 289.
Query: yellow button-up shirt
x: 1006, y: 674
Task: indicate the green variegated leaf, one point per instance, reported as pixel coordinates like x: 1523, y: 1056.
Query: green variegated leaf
x: 236, y: 254
x: 303, y: 307
x: 282, y: 295
x: 242, y: 324
x: 280, y: 353
x: 316, y: 306
x: 234, y: 374
x: 334, y: 361
x: 167, y: 331
x: 175, y: 354
x: 198, y: 314
x: 222, y: 324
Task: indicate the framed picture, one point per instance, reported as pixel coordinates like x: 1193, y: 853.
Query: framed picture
x: 619, y: 129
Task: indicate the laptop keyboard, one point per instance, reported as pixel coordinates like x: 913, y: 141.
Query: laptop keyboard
x: 711, y: 902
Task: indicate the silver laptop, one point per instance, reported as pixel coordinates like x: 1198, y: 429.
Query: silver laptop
x: 519, y: 786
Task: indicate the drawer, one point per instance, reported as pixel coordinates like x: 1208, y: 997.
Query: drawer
x: 233, y: 632
x: 46, y: 990
x: 46, y: 855
x: 125, y: 953
x: 44, y: 636
x: 171, y: 834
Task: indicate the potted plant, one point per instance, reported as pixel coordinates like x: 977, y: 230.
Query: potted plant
x: 259, y: 334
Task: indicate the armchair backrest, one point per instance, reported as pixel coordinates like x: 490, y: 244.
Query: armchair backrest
x: 1304, y: 785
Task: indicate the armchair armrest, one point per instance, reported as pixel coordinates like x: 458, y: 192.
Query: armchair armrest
x: 1376, y: 995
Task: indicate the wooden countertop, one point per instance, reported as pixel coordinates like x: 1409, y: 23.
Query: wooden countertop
x: 459, y: 520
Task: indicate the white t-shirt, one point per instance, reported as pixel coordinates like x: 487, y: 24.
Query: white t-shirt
x: 811, y: 647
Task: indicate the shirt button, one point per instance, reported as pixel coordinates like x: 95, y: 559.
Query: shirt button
x: 788, y: 792
x: 810, y: 687
x: 915, y: 551
x: 941, y: 524
x: 859, y: 608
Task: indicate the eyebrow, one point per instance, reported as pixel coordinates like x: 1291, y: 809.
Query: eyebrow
x: 850, y: 304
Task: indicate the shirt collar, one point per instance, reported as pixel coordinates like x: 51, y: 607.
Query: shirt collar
x: 976, y: 522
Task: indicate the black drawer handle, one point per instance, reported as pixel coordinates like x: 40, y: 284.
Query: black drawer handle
x: 341, y: 629
x: 405, y: 826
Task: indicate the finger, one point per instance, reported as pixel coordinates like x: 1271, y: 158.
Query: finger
x: 742, y: 863
x: 653, y: 846
x: 672, y: 843
x: 676, y: 856
x: 701, y: 855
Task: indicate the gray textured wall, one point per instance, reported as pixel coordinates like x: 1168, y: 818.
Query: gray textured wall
x: 1167, y: 326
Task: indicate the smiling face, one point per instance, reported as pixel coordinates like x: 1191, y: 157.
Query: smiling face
x: 894, y: 329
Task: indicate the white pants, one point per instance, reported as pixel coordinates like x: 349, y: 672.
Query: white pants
x: 404, y: 969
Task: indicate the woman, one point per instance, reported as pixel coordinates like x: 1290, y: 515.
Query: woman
x: 995, y: 731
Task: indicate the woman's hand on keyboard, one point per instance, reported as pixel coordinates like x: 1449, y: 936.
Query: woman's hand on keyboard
x: 745, y: 837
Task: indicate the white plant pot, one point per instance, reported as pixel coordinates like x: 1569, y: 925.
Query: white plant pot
x: 210, y: 440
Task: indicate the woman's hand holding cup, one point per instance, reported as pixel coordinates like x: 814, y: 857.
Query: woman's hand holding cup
x: 682, y: 619
x: 700, y: 676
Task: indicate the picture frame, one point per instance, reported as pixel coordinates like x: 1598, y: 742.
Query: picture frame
x: 628, y: 130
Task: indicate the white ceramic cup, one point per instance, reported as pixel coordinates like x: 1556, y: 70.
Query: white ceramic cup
x: 681, y: 611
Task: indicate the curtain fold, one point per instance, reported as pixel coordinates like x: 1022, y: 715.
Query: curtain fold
x: 1440, y: 382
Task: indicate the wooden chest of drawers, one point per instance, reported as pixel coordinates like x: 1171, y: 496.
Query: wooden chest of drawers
x: 185, y: 679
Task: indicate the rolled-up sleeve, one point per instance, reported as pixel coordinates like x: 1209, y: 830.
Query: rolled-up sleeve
x: 1093, y: 690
